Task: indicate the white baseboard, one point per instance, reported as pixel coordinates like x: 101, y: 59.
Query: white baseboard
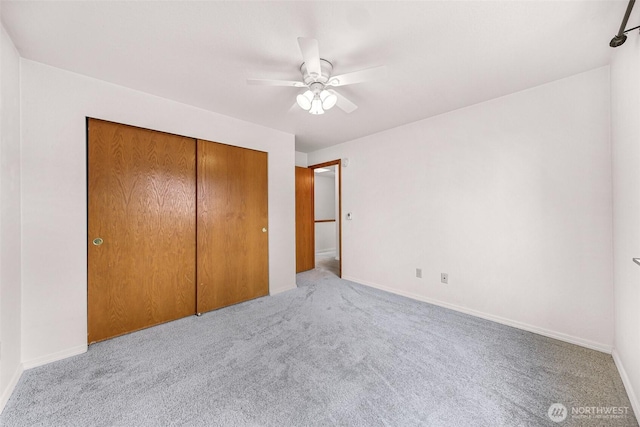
x: 54, y: 357
x: 635, y: 404
x: 277, y: 291
x: 326, y: 252
x: 6, y: 394
x: 514, y: 323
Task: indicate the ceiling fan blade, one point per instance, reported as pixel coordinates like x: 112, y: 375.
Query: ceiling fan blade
x: 358, y: 76
x: 269, y: 82
x: 311, y: 55
x: 343, y: 103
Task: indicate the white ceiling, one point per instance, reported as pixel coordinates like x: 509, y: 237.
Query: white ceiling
x: 441, y: 55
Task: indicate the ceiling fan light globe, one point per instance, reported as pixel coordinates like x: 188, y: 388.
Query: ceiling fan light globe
x: 304, y: 100
x: 328, y: 99
x: 316, y: 106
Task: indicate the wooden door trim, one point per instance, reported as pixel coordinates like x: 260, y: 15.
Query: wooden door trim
x: 325, y: 164
x: 338, y: 164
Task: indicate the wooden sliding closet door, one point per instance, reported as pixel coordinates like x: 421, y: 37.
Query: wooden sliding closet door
x: 232, y: 225
x: 142, y: 228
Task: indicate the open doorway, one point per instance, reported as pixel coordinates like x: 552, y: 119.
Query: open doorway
x: 326, y: 219
x: 327, y: 216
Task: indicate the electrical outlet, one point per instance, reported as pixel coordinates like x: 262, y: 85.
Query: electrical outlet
x: 444, y: 278
x: 419, y: 273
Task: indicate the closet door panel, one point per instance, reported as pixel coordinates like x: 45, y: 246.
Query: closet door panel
x: 232, y: 225
x: 142, y: 204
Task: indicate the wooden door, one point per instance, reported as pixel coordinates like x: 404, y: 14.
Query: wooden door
x: 305, y: 220
x: 141, y: 202
x: 233, y: 264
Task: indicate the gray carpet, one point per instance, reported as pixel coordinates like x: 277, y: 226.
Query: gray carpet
x: 328, y: 264
x: 331, y: 352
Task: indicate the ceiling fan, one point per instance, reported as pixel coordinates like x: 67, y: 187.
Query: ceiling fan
x: 317, y: 79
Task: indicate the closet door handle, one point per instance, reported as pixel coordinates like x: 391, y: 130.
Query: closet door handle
x: 264, y: 230
x: 98, y: 241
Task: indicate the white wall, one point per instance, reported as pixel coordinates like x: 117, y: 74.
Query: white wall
x: 324, y: 196
x: 625, y: 133
x: 325, y: 207
x: 10, y: 247
x: 512, y: 198
x: 301, y: 159
x: 325, y: 238
x: 54, y: 106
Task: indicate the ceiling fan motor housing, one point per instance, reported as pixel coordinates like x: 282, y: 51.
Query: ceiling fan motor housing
x: 326, y: 68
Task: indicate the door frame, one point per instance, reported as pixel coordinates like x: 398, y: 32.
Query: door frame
x: 337, y: 162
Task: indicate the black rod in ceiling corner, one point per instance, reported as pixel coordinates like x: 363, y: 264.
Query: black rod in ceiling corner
x: 620, y: 38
